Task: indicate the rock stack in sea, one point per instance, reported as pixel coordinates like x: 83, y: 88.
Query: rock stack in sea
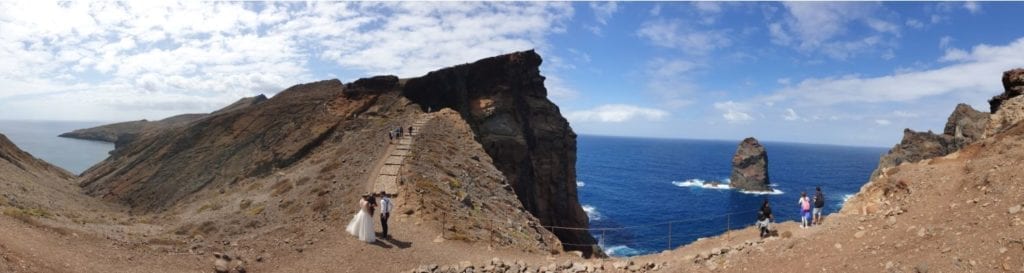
x: 750, y: 167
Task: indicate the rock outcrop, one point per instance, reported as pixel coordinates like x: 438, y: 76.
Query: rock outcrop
x: 505, y: 102
x: 964, y: 126
x: 1008, y: 107
x: 750, y: 167
x: 1013, y: 86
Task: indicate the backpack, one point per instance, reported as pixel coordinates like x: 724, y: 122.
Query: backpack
x: 819, y: 200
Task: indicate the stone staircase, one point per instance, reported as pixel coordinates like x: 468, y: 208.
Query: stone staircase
x: 388, y: 177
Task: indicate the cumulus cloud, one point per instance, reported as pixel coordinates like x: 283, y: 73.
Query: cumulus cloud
x: 734, y: 112
x: 617, y: 113
x: 973, y: 72
x: 790, y: 115
x: 825, y: 28
x: 679, y: 35
x: 196, y: 56
x: 670, y: 80
x: 972, y: 7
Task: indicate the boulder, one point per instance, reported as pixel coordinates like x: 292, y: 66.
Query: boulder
x: 750, y: 167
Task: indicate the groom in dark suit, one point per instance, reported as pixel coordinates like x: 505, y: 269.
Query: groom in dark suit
x: 385, y: 213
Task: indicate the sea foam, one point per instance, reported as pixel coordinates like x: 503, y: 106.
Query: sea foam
x: 591, y: 212
x: 699, y: 183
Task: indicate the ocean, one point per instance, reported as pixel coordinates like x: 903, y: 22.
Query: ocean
x: 637, y: 190
x: 631, y: 188
x: 39, y: 138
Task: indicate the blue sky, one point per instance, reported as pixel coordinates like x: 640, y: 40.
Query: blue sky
x: 818, y: 72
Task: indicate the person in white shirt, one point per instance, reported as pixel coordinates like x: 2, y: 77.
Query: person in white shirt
x: 385, y: 213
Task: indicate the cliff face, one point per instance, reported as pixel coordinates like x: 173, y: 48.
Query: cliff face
x: 964, y: 126
x: 504, y: 101
x: 750, y: 167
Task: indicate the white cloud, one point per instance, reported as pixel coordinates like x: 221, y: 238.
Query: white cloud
x: 198, y: 56
x: 790, y: 114
x: 974, y: 72
x: 882, y: 122
x: 709, y: 11
x: 670, y: 80
x: 826, y: 28
x: 944, y: 42
x: 617, y: 113
x: 603, y: 11
x: 972, y: 7
x: 734, y: 112
x: 914, y: 23
x: 905, y: 114
x: 677, y: 34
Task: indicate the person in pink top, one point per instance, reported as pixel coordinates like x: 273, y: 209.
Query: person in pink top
x: 805, y: 209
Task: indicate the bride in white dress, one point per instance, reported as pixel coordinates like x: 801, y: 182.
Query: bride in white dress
x: 362, y: 223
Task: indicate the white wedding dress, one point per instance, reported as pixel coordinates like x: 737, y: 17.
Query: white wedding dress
x: 362, y: 224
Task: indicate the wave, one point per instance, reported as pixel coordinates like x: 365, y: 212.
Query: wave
x: 774, y: 191
x: 621, y: 251
x: 699, y: 183
x: 580, y: 184
x: 846, y: 197
x: 591, y: 212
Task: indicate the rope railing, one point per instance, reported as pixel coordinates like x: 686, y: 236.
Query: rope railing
x: 603, y: 230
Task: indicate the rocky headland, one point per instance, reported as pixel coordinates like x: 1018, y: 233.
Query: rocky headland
x: 750, y: 167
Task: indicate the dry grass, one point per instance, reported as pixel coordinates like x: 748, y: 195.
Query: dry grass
x: 256, y: 210
x: 302, y: 181
x: 333, y: 165
x: 211, y: 206
x: 281, y: 187
x: 244, y: 204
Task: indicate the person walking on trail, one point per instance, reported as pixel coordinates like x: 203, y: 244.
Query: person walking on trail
x: 805, y: 209
x: 391, y: 137
x: 385, y: 213
x: 764, y: 218
x: 819, y: 204
x: 410, y: 130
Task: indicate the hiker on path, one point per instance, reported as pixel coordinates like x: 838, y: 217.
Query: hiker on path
x: 764, y: 218
x: 805, y: 209
x: 819, y: 205
x: 410, y: 130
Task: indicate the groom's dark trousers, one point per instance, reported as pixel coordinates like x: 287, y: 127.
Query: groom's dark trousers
x: 384, y: 223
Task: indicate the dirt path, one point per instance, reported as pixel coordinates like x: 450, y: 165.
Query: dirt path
x: 385, y: 176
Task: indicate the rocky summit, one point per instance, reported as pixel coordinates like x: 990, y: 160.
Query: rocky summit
x: 750, y: 167
x: 964, y: 126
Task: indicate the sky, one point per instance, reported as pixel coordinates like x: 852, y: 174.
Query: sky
x: 809, y: 72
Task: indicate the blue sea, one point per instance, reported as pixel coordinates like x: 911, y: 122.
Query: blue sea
x: 632, y: 188
x: 39, y: 138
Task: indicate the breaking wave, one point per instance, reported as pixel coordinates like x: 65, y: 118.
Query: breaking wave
x: 699, y: 183
x: 592, y: 212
